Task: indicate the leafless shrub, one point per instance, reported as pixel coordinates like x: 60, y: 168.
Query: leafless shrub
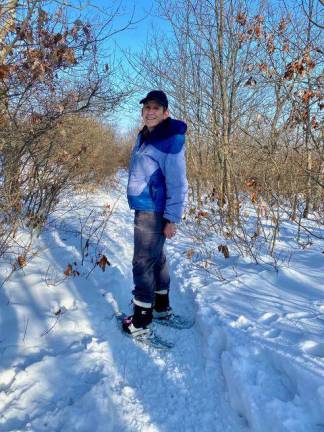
x: 249, y: 83
x: 51, y: 84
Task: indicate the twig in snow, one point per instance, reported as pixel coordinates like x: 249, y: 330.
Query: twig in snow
x: 51, y: 328
x: 25, y: 332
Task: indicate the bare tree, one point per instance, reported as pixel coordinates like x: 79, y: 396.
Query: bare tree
x: 248, y: 81
x: 50, y: 71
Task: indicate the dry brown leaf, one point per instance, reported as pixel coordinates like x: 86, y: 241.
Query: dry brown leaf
x: 21, y: 261
x: 224, y: 250
x: 254, y: 198
x: 270, y: 47
x: 289, y: 72
x: 69, y: 270
x: 258, y: 30
x: 36, y: 118
x: 308, y: 94
x: 4, y: 71
x: 221, y: 200
x: 300, y: 68
x: 103, y: 261
x: 282, y: 26
x: 250, y: 182
x: 242, y: 38
x: 69, y: 56
x: 241, y: 18
x: 285, y: 48
x: 263, y: 67
x: 202, y: 213
x: 58, y: 38
x: 190, y: 253
x: 314, y: 123
x: 251, y: 82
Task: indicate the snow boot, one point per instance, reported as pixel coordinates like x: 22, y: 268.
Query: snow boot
x: 137, y: 324
x: 162, y: 309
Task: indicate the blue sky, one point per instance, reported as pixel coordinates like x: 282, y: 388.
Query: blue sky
x: 135, y: 37
x: 132, y: 39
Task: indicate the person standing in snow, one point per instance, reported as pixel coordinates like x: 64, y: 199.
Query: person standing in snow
x: 157, y: 191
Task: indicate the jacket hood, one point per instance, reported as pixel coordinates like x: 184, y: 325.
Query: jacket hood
x: 164, y: 130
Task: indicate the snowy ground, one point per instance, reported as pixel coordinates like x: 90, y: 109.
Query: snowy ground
x: 254, y: 360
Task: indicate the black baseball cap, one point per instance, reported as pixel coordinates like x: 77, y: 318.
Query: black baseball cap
x: 158, y: 96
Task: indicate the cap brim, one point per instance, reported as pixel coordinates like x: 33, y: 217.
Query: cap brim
x: 153, y: 99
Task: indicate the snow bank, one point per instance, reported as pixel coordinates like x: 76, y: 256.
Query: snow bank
x: 270, y: 387
x: 271, y: 391
x: 254, y: 361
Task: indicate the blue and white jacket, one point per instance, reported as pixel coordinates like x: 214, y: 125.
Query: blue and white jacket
x: 157, y: 173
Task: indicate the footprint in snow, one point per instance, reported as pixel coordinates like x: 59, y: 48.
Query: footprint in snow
x: 7, y: 377
x: 319, y: 309
x: 313, y: 348
x: 273, y: 333
x: 319, y: 306
x: 268, y: 318
x: 241, y: 322
x: 299, y: 315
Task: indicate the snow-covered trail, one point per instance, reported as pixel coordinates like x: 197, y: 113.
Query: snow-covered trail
x: 79, y: 373
x: 254, y: 360
x: 172, y: 390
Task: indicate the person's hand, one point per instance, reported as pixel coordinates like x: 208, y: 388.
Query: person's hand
x: 170, y: 230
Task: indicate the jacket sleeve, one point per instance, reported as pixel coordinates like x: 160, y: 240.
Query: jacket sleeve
x: 175, y: 179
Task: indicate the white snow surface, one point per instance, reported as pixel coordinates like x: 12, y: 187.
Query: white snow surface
x: 253, y: 361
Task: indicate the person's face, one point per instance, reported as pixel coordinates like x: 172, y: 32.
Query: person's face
x: 153, y: 113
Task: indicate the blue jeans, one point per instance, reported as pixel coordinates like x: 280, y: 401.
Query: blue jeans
x: 150, y: 268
